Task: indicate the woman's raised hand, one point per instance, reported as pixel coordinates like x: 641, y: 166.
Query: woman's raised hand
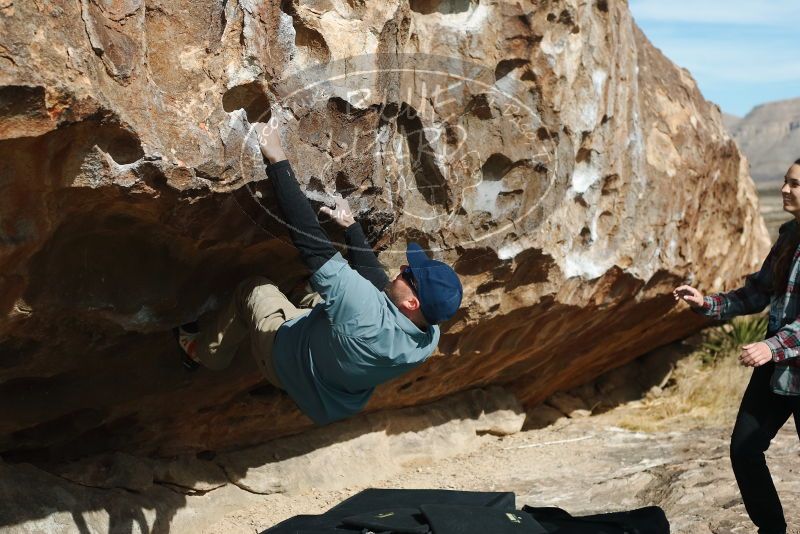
x: 690, y: 295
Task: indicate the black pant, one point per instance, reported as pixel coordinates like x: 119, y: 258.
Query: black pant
x: 761, y: 414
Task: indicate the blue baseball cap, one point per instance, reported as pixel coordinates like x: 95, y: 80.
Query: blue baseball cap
x: 438, y: 287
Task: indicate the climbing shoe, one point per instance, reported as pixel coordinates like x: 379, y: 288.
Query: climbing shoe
x: 186, y: 334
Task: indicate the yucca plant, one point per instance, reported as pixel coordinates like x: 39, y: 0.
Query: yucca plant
x: 727, y: 340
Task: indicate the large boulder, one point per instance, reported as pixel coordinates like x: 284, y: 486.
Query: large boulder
x: 569, y: 171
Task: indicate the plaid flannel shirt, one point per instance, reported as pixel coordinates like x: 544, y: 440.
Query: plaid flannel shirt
x: 783, y: 332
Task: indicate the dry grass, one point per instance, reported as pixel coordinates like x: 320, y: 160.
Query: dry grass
x: 699, y: 394
x: 702, y: 396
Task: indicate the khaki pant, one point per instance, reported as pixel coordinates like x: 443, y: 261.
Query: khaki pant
x: 256, y: 310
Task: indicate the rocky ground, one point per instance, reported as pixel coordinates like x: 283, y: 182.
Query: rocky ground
x: 585, y: 466
x: 654, y: 432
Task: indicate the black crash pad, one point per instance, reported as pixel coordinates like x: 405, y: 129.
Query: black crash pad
x: 463, y: 512
x: 374, y: 499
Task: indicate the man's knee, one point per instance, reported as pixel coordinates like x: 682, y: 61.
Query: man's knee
x: 254, y: 287
x: 248, y: 285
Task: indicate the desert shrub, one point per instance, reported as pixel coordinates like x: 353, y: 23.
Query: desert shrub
x: 706, y: 387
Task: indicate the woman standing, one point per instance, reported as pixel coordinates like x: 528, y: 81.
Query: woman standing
x: 773, y: 393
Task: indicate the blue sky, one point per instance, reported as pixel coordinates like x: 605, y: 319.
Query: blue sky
x: 741, y: 52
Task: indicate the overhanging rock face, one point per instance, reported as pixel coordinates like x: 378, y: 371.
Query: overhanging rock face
x: 570, y: 172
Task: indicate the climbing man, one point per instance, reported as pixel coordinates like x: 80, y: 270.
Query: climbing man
x: 364, y: 329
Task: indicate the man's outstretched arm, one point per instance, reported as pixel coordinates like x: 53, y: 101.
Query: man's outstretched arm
x: 359, y: 250
x: 307, y: 235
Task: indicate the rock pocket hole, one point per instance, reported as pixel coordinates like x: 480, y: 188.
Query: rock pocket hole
x: 584, y: 155
x: 313, y: 42
x: 507, y: 65
x: 122, y: 145
x: 250, y: 97
x: 445, y: 7
x: 20, y: 100
x: 344, y: 185
x: 496, y: 167
x: 480, y: 106
x: 430, y: 182
x: 477, y: 261
x: 306, y: 37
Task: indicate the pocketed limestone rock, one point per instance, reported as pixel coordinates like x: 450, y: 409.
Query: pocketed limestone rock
x: 570, y: 173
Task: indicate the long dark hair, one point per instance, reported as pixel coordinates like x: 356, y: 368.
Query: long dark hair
x: 785, y: 254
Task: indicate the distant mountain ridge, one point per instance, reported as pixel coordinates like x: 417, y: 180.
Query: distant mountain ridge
x: 769, y: 136
x: 730, y: 121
